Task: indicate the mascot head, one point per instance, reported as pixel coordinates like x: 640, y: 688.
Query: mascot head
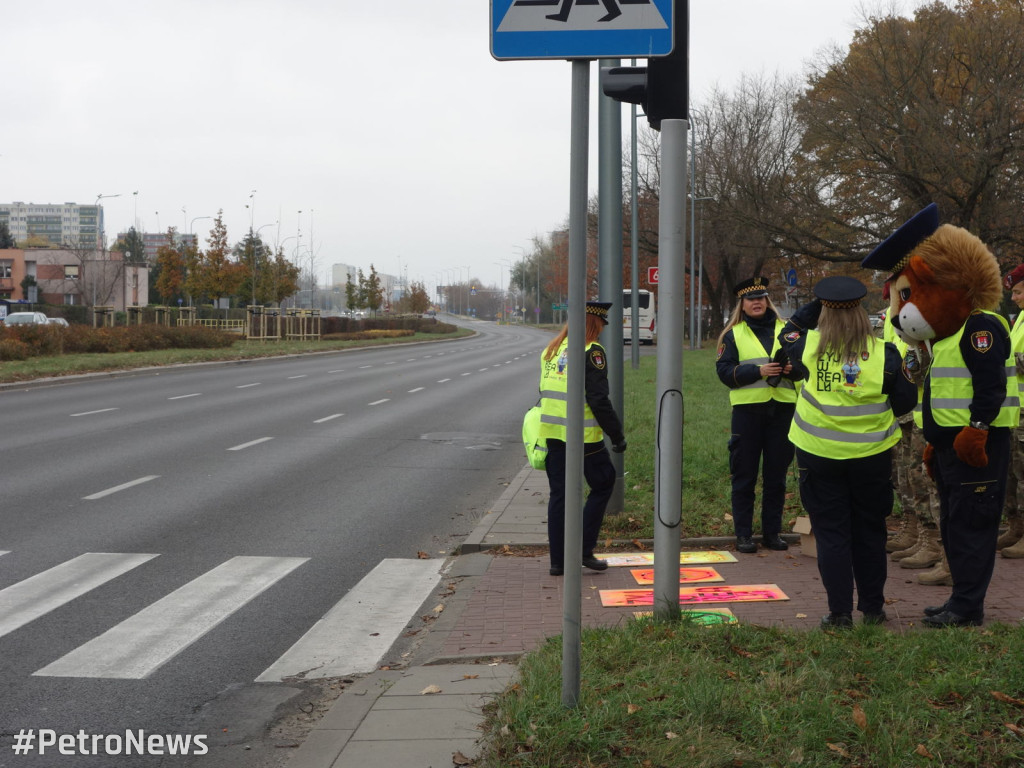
x: 940, y: 274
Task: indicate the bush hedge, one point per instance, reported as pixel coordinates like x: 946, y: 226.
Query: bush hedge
x: 21, y: 342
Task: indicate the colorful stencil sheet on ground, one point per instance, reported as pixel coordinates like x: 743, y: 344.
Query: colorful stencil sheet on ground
x: 640, y: 559
x: 686, y: 575
x: 691, y: 596
x: 705, y: 616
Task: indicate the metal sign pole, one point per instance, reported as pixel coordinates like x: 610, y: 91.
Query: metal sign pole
x: 668, y: 461
x: 609, y: 273
x: 571, y: 601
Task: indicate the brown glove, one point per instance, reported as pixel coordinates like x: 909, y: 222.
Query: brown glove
x: 928, y: 459
x: 970, y: 446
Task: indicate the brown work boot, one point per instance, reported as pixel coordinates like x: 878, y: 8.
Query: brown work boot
x: 899, y: 554
x: 928, y: 553
x: 939, y: 576
x: 905, y: 537
x: 1014, y: 550
x: 1014, y: 533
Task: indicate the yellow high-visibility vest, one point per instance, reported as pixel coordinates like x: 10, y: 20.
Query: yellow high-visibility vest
x: 554, y: 406
x: 841, y: 412
x: 750, y: 350
x: 952, y: 388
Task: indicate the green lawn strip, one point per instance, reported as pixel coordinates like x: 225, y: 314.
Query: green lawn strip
x: 64, y: 365
x: 678, y: 695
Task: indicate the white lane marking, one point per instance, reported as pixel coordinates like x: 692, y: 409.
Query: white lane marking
x: 378, y: 402
x: 480, y: 370
x: 251, y: 443
x: 340, y: 370
x: 442, y: 381
x: 418, y: 389
x: 391, y: 363
x: 122, y: 487
x: 90, y: 413
x: 470, y: 373
x: 244, y: 386
x: 301, y: 376
x: 411, y: 360
x: 354, y: 634
x: 142, y: 643
x: 328, y: 418
x: 38, y: 595
x: 365, y: 366
x: 182, y: 397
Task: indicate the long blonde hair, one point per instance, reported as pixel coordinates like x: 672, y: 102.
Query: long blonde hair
x: 737, y: 317
x: 844, y: 332
x: 594, y: 327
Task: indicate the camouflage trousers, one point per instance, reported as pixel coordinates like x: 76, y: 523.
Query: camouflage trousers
x: 916, y: 491
x: 1015, y: 477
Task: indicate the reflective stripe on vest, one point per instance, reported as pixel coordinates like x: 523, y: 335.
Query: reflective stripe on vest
x: 750, y: 350
x: 952, y: 387
x: 841, y: 412
x: 554, y: 402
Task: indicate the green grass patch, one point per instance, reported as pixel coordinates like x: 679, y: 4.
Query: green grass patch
x: 678, y: 695
x: 706, y: 430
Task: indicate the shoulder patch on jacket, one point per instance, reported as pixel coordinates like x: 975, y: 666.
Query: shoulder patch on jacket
x: 792, y: 336
x: 721, y: 351
x: 981, y: 341
x: 597, y: 358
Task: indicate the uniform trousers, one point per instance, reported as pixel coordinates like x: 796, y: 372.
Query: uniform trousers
x: 760, y: 433
x: 599, y: 472
x: 970, y: 508
x: 848, y: 501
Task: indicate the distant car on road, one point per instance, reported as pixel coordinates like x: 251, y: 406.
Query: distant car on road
x: 26, y: 318
x: 59, y: 321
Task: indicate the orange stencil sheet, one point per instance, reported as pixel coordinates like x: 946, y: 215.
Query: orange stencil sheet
x: 691, y: 596
x: 686, y: 575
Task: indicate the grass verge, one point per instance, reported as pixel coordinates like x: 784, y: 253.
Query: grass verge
x: 64, y: 365
x: 679, y: 695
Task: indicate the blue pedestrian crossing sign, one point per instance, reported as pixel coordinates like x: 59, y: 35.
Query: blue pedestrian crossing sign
x: 580, y: 29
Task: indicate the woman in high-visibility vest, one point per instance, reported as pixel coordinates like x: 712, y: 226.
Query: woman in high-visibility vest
x: 844, y: 429
x: 762, y: 396
x: 599, y: 417
x: 1011, y: 543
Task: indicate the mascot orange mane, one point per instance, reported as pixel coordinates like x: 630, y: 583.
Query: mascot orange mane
x: 940, y: 275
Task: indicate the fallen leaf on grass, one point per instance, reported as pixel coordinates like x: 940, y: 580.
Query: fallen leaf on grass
x: 859, y: 718
x: 922, y: 750
x: 840, y: 748
x: 632, y: 709
x: 639, y: 544
x: 1015, y: 728
x: 742, y: 652
x: 670, y: 735
x: 430, y: 689
x: 1007, y: 699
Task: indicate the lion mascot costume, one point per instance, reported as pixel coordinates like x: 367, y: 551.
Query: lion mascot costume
x: 944, y: 287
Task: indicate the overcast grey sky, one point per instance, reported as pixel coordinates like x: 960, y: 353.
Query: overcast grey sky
x: 387, y: 124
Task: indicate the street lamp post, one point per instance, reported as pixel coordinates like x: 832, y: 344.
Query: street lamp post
x: 99, y: 232
x: 185, y: 244
x: 699, y: 276
x: 252, y: 241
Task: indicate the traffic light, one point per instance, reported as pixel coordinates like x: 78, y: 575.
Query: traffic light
x: 661, y: 87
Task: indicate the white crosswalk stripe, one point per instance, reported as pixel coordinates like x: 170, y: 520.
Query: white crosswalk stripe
x: 141, y: 644
x: 354, y: 635
x: 38, y: 595
x: 350, y: 638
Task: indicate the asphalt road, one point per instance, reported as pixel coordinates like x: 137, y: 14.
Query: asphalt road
x: 263, y: 491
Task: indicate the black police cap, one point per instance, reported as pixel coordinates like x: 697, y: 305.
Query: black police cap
x: 893, y: 253
x: 752, y: 288
x: 840, y: 292
x: 600, y: 309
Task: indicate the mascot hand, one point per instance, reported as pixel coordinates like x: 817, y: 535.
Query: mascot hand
x: 928, y: 459
x: 970, y: 446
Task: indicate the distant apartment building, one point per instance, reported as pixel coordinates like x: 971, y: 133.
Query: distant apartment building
x: 54, y: 224
x: 61, y: 276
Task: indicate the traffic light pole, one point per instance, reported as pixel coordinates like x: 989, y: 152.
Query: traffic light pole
x: 668, y: 459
